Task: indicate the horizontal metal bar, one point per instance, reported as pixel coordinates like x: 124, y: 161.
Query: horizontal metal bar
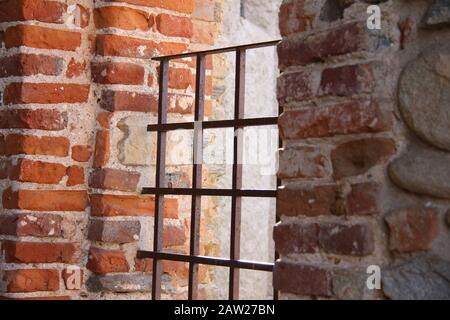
x: 216, y: 51
x: 211, y: 261
x: 211, y: 192
x: 254, y: 122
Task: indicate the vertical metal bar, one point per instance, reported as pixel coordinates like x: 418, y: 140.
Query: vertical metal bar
x: 160, y: 177
x: 197, y: 175
x: 277, y: 217
x: 236, y: 201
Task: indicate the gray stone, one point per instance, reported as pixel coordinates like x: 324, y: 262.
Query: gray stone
x: 349, y: 284
x: 424, y: 277
x: 424, y: 96
x: 422, y: 170
x: 438, y: 13
x: 122, y: 283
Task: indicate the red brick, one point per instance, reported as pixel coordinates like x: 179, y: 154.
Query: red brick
x: 338, y: 119
x: 42, y: 119
x: 301, y: 279
x: 347, y: 80
x: 363, y: 199
x: 45, y: 200
x: 113, y: 179
x: 312, y: 201
x: 31, y: 280
x: 412, y: 229
x: 357, y: 157
x: 31, y: 225
x: 37, y: 172
x: 293, y: 18
x: 114, y: 231
x: 30, y: 64
x: 296, y: 238
x: 185, y: 6
x: 122, y: 18
x: 174, y: 26
x: 344, y: 39
x: 104, y: 119
x: 81, y: 153
x: 128, y: 101
x: 75, y: 176
x: 42, y: 38
x: 22, y: 144
x: 180, y: 78
x: 117, y: 73
x: 203, y: 32
x: 355, y: 240
x: 69, y: 281
x: 121, y: 46
x: 173, y: 236
x: 40, y: 10
x: 75, y: 68
x: 83, y: 16
x: 168, y: 48
x: 107, y: 261
x: 303, y: 162
x: 40, y: 252
x: 113, y: 206
x: 102, y: 148
x: 296, y: 86
x: 51, y: 298
x: 45, y: 93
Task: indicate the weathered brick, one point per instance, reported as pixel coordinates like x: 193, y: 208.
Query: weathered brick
x: 104, y: 119
x: 204, y: 10
x: 121, y: 46
x: 355, y: 240
x: 294, y: 18
x: 31, y: 225
x: 337, y: 119
x: 348, y: 38
x: 23, y: 144
x: 75, y: 68
x: 102, y: 148
x: 112, y: 206
x: 81, y: 153
x: 113, y: 179
x: 301, y: 279
x: 173, y: 236
x: 42, y: 38
x: 30, y: 64
x: 107, y: 261
x: 41, y: 252
x: 75, y: 176
x: 37, y: 171
x: 357, y: 157
x: 297, y: 86
x: 296, y: 238
x: 122, y: 18
x: 31, y: 280
x: 128, y: 101
x: 203, y: 32
x: 73, y: 278
x: 180, y: 78
x: 347, y: 80
x: 45, y: 200
x: 363, y: 199
x: 310, y: 201
x: 114, y: 231
x: 45, y: 93
x: 174, y: 26
x: 303, y: 162
x: 185, y: 6
x: 40, y: 10
x: 41, y: 119
x: 117, y: 73
x: 412, y: 229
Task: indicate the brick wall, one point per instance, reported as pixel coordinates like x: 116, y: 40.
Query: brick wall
x: 360, y: 165
x: 73, y: 74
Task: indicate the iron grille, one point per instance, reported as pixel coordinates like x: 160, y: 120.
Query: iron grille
x: 234, y: 263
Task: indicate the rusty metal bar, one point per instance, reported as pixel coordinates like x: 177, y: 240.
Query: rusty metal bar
x: 217, y: 51
x: 236, y: 200
x: 253, y: 122
x: 211, y: 261
x: 160, y: 178
x: 211, y: 192
x: 197, y: 175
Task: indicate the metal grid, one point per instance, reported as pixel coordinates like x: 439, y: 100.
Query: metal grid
x: 196, y: 192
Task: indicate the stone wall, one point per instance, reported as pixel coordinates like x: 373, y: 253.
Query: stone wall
x: 365, y: 157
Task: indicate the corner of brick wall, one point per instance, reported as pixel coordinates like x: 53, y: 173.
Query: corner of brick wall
x: 70, y: 74
x: 341, y: 128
